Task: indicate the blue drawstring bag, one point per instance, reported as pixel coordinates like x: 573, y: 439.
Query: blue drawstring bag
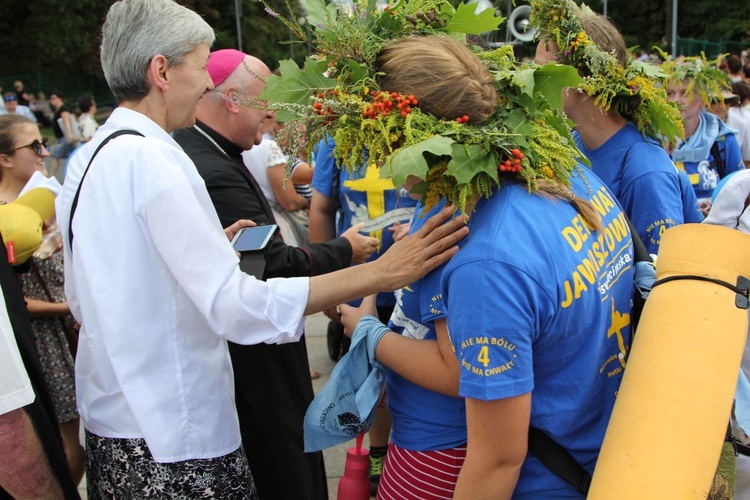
x: 346, y: 405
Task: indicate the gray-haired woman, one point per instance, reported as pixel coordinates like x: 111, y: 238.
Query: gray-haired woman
x: 156, y: 285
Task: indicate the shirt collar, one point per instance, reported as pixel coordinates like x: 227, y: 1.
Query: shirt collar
x: 127, y: 118
x: 231, y: 149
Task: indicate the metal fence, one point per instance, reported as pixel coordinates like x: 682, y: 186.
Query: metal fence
x: 693, y: 47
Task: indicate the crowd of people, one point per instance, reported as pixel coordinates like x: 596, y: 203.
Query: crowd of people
x: 186, y: 362
x: 71, y: 125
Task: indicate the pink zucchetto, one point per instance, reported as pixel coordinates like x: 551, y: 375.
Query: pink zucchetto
x: 222, y: 63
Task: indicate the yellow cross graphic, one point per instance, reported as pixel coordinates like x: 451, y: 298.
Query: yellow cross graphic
x: 619, y: 321
x: 375, y: 187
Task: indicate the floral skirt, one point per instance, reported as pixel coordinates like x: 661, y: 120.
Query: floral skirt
x: 125, y: 468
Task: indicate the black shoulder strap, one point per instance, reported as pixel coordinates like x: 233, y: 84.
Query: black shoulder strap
x: 640, y: 252
x: 718, y: 160
x: 335, y: 186
x: 558, y: 460
x: 78, y: 191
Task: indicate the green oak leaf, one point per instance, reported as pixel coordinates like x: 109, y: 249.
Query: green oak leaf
x: 469, y: 160
x: 420, y: 188
x: 372, y: 9
x: 296, y: 85
x: 551, y: 78
x: 564, y: 126
x: 517, y: 122
x: 320, y: 14
x: 663, y: 123
x: 359, y: 71
x: 526, y: 102
x: 525, y: 80
x: 411, y: 160
x: 466, y: 20
x: 648, y: 69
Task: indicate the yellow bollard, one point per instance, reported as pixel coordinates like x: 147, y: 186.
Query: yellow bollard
x: 670, y: 418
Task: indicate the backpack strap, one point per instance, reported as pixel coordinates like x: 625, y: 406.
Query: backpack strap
x: 640, y: 252
x: 718, y: 160
x: 558, y: 460
x: 74, y: 205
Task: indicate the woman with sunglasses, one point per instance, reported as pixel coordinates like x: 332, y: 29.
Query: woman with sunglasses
x: 22, y: 153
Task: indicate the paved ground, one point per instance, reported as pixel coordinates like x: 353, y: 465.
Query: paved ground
x: 318, y: 354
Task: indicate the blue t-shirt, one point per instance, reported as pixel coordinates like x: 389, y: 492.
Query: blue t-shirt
x: 639, y: 173
x: 537, y: 302
x: 704, y: 175
x: 691, y: 210
x: 364, y: 197
x: 423, y: 420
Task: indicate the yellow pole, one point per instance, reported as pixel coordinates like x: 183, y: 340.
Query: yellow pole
x: 672, y: 410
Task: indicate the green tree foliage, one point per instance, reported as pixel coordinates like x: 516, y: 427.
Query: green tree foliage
x: 648, y: 22
x: 262, y: 35
x: 711, y: 20
x: 56, y: 37
x: 49, y: 36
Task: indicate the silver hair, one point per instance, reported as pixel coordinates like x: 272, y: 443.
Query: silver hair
x: 137, y: 30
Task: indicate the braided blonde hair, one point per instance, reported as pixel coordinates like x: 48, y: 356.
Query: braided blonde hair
x: 446, y: 77
x: 450, y: 81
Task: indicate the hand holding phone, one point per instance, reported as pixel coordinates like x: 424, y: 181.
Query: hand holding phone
x: 254, y: 239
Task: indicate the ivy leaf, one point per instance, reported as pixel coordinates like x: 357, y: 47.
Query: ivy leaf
x: 469, y: 160
x: 551, y: 78
x: 466, y: 20
x: 296, y: 85
x: 411, y: 160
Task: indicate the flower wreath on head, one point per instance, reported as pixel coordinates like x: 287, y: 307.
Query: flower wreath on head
x: 336, y: 94
x: 632, y: 91
x: 703, y: 75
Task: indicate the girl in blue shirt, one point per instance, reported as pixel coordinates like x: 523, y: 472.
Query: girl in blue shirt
x: 529, y: 322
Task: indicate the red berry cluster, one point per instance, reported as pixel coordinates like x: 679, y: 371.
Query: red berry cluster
x: 324, y: 110
x: 385, y: 102
x: 513, y: 166
x: 463, y: 119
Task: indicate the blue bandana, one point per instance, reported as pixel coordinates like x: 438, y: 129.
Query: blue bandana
x: 698, y: 146
x: 346, y: 405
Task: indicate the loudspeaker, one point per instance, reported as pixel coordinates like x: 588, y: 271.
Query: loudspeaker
x: 481, y: 5
x: 518, y: 24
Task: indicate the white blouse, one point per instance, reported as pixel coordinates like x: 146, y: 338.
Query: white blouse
x: 259, y: 159
x: 156, y: 286
x: 729, y: 209
x: 15, y: 387
x: 88, y: 126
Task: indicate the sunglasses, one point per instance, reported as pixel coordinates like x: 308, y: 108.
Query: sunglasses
x: 37, y: 146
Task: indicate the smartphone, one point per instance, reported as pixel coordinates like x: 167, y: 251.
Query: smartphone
x: 254, y: 239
